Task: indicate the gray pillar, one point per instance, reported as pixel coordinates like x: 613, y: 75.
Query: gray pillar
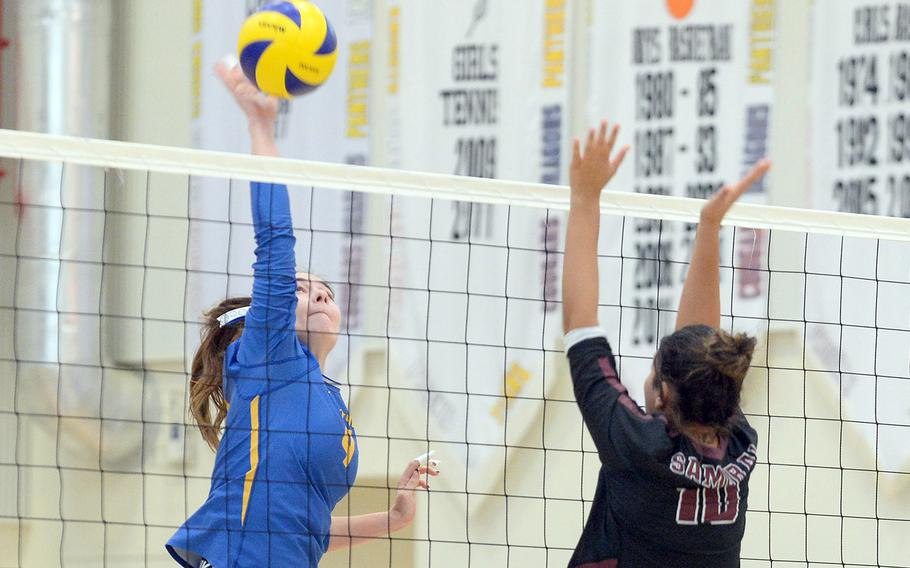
x: 63, y: 79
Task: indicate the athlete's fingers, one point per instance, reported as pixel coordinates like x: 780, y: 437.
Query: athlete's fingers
x: 576, y: 153
x: 229, y: 71
x: 409, y: 482
x: 224, y: 73
x: 423, y: 484
x: 590, y: 141
x: 755, y: 174
x: 612, y: 141
x: 245, y: 89
x: 430, y: 470
x: 240, y: 90
x: 412, y: 469
x: 728, y: 195
x: 619, y: 158
x: 422, y: 457
x: 602, y: 135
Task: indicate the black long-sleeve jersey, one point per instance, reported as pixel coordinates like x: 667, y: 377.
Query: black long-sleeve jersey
x: 662, y: 499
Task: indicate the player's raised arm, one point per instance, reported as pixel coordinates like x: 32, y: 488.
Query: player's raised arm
x: 622, y: 433
x: 591, y: 170
x: 700, y: 299
x: 269, y: 331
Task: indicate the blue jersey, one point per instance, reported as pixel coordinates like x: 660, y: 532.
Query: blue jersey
x: 289, y: 452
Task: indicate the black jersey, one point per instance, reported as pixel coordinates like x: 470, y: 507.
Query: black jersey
x: 662, y: 500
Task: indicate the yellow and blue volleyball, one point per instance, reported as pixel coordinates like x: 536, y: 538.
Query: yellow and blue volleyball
x: 287, y: 48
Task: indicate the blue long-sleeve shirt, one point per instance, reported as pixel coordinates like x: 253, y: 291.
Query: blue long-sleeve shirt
x: 289, y: 452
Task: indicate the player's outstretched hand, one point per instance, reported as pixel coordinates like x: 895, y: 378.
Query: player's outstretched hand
x: 402, y: 512
x: 714, y: 210
x: 259, y: 107
x: 592, y: 169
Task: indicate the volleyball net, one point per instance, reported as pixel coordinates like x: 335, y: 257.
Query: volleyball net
x: 451, y: 341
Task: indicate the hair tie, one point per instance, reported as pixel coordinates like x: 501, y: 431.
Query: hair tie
x: 233, y: 316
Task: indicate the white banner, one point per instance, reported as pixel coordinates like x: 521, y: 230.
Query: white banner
x: 477, y: 88
x: 860, y: 91
x: 860, y: 163
x: 689, y: 81
x: 480, y: 87
x: 330, y: 124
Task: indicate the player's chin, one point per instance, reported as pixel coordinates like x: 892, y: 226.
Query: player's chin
x: 319, y: 337
x: 322, y: 324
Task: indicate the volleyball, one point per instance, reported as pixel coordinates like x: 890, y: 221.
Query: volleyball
x: 288, y: 48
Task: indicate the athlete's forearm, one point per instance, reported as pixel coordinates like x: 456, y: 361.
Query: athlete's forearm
x: 580, y: 278
x: 351, y: 531
x: 269, y: 325
x: 700, y: 300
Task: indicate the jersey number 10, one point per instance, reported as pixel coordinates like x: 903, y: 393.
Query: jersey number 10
x: 712, y: 505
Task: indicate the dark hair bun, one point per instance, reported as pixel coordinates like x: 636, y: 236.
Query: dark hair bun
x: 705, y: 368
x: 731, y: 355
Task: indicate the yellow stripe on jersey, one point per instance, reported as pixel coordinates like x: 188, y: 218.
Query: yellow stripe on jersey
x: 349, y: 446
x: 254, y: 456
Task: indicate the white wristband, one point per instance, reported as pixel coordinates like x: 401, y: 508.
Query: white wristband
x: 580, y: 334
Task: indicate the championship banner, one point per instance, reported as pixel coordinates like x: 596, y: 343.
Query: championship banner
x: 860, y: 91
x: 860, y: 160
x: 477, y: 88
x: 329, y: 124
x: 689, y: 81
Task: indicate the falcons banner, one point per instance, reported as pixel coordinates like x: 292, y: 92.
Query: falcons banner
x: 330, y: 124
x: 477, y: 88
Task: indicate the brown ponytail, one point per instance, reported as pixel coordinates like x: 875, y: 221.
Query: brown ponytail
x: 705, y: 368
x: 205, y: 376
